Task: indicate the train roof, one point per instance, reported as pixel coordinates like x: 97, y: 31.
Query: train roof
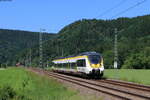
x: 81, y: 54
x: 88, y: 53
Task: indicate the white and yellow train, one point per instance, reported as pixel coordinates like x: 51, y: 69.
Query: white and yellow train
x: 87, y: 63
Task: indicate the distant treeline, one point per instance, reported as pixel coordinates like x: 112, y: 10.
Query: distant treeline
x: 14, y: 42
x: 98, y: 35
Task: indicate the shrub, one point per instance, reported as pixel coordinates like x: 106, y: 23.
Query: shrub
x: 138, y: 61
x: 7, y: 93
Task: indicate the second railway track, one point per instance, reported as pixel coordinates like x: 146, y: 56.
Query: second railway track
x: 95, y: 85
x: 127, y: 84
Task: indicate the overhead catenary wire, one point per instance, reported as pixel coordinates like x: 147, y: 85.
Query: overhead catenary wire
x: 126, y: 10
x: 112, y: 8
x: 115, y: 42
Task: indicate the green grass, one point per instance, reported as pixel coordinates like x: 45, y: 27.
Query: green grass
x: 37, y: 87
x: 132, y: 75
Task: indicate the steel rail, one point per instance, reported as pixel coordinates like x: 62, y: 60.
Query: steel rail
x: 100, y: 85
x: 93, y: 84
x: 125, y: 84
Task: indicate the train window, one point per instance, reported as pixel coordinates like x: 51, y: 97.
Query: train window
x: 94, y: 59
x: 81, y: 63
x: 73, y: 65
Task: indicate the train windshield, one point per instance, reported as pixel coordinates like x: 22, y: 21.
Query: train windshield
x: 94, y: 59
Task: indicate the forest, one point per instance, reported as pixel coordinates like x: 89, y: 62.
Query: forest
x: 14, y: 42
x: 82, y: 36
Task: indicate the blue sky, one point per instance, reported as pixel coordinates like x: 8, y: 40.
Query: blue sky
x: 53, y: 15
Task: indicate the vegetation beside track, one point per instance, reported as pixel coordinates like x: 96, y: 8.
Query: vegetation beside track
x: 131, y: 75
x: 19, y: 84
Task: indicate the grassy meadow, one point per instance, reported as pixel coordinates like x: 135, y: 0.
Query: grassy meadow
x: 137, y: 76
x: 19, y: 84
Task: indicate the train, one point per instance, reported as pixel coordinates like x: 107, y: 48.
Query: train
x: 88, y: 64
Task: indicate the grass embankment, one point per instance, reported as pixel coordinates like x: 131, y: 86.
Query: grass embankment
x: 132, y: 75
x: 30, y: 86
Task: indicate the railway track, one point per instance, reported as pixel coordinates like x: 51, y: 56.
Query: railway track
x: 107, y: 89
x: 127, y: 84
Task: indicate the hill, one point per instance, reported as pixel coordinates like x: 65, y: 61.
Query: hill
x: 13, y: 42
x: 98, y: 35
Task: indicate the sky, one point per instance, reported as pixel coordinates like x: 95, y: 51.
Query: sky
x: 53, y: 15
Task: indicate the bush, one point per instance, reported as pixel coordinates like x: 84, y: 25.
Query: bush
x: 7, y: 93
x: 2, y: 65
x: 138, y: 61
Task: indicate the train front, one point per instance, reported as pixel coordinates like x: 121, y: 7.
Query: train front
x: 96, y: 65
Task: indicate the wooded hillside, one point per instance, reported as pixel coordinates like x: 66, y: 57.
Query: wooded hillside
x: 98, y: 35
x: 12, y: 42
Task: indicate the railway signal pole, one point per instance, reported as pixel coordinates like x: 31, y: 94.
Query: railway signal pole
x: 116, y: 50
x: 41, y: 48
x: 30, y: 57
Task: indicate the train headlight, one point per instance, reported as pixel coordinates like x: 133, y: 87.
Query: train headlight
x: 95, y: 65
x: 98, y: 65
